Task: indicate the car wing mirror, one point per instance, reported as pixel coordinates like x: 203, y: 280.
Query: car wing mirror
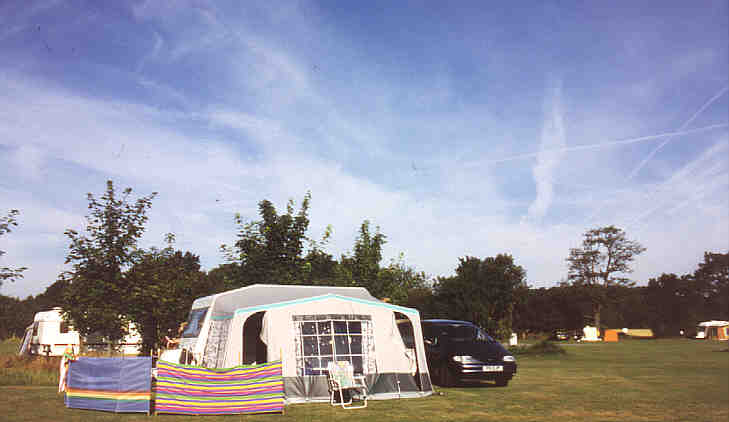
x: 431, y: 342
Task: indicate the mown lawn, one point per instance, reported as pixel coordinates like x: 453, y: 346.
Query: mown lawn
x: 649, y: 380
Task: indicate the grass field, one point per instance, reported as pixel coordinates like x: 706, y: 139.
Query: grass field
x: 649, y: 380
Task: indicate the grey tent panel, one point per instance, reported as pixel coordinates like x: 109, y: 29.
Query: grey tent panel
x: 266, y: 294
x: 379, y: 386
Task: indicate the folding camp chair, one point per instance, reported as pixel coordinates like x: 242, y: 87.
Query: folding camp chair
x: 341, y: 379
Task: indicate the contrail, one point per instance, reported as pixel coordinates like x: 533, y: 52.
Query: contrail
x: 642, y: 164
x: 601, y: 145
x: 722, y: 179
x: 662, y: 144
x: 658, y: 148
x: 682, y: 174
x: 688, y: 122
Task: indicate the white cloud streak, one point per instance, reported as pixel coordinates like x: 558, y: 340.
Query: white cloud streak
x: 552, y: 148
x: 598, y: 145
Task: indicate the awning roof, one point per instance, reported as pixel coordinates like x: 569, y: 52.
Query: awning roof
x: 226, y: 303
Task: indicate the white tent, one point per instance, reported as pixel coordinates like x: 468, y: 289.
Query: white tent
x: 307, y: 327
x: 590, y: 334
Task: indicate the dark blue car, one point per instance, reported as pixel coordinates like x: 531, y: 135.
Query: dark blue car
x: 460, y: 350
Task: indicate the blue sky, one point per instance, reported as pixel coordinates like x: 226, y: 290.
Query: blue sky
x: 459, y: 129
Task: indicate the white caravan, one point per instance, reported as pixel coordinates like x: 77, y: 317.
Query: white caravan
x: 49, y: 335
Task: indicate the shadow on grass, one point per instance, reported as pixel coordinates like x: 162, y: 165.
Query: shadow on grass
x: 477, y: 384
x: 473, y: 384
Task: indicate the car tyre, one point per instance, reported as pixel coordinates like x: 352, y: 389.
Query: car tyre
x: 438, y: 376
x: 446, y: 377
x: 502, y: 381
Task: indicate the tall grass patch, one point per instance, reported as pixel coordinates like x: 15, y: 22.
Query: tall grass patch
x: 9, y: 346
x: 29, y: 370
x: 26, y: 370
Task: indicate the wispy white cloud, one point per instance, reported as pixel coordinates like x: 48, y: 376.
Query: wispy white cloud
x: 166, y: 93
x: 29, y: 160
x: 153, y: 53
x: 551, y: 150
x: 194, y: 24
x: 21, y: 17
x: 203, y: 181
x: 273, y: 67
x: 264, y: 131
x: 240, y: 104
x: 201, y: 185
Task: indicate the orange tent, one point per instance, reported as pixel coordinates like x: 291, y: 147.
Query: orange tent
x: 611, y: 335
x: 714, y: 330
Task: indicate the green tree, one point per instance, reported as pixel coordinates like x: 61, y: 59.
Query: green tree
x: 397, y: 281
x: 320, y: 267
x: 674, y: 304
x: 163, y: 284
x: 483, y: 291
x: 423, y: 299
x: 540, y: 311
x: 367, y: 257
x: 97, y: 296
x: 6, y: 224
x: 226, y: 277
x: 629, y: 308
x: 270, y: 250
x: 605, y: 255
x: 712, y: 280
x: 52, y: 296
x: 363, y: 267
x: 15, y: 315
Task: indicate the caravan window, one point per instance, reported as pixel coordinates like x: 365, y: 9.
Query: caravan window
x: 321, y: 339
x: 195, y: 322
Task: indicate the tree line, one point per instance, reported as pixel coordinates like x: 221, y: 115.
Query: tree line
x: 668, y: 304
x: 113, y: 282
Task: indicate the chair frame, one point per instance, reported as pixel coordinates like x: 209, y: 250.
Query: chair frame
x: 341, y: 377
